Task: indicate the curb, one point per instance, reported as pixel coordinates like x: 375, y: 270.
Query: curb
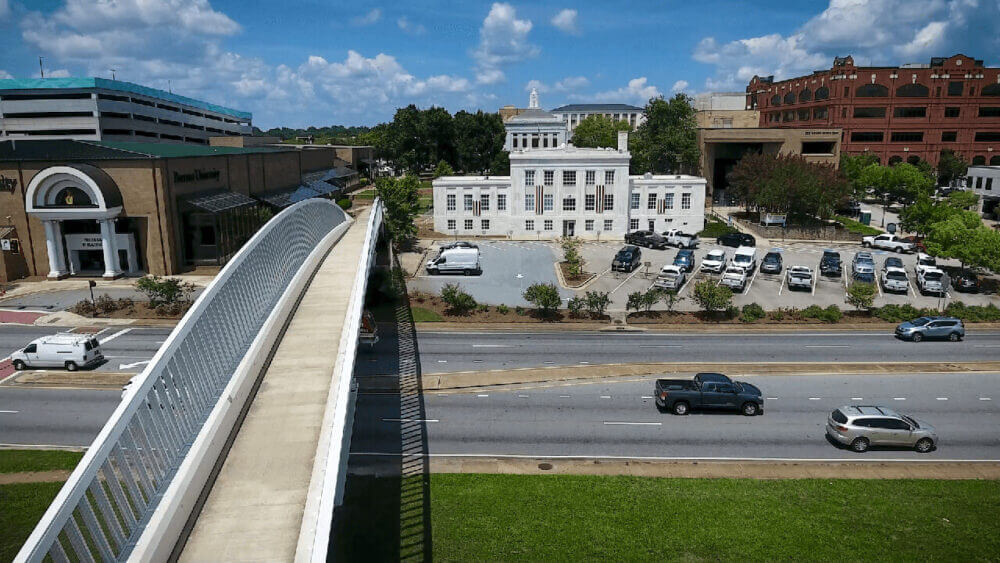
x: 728, y: 328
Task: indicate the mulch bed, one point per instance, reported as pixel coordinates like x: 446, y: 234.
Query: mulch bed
x: 492, y: 315
x: 573, y: 281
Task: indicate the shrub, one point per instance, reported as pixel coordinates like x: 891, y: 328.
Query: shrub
x: 634, y: 301
x: 125, y: 304
x: 164, y: 291
x: 576, y: 306
x: 752, y: 312
x: 732, y: 311
x: 832, y: 314
x: 170, y: 309
x: 670, y: 299
x: 973, y: 313
x: 597, y: 302
x: 900, y: 313
x: 503, y: 309
x: 105, y: 304
x: 84, y: 307
x: 519, y: 310
x: 544, y: 296
x: 778, y: 315
x: 345, y: 203
x: 571, y: 254
x: 483, y: 308
x: 861, y: 295
x: 458, y: 301
x: 711, y: 297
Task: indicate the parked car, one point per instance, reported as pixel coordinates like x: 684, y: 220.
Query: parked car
x: 851, y: 209
x: 714, y: 261
x: 800, y: 277
x: 967, y: 282
x: 932, y: 280
x: 829, y: 264
x: 627, y: 259
x: 944, y: 328
x: 670, y: 277
x: 707, y: 390
x: 746, y: 257
x: 456, y: 244
x: 63, y: 350
x: 892, y: 262
x: 772, y: 220
x: 736, y: 240
x: 917, y: 242
x: 860, y: 427
x: 771, y: 263
x: 863, y: 267
x: 456, y: 260
x: 680, y: 239
x: 648, y: 239
x: 734, y: 278
x: 895, y: 280
x: 887, y: 242
x: 924, y: 261
x: 685, y: 259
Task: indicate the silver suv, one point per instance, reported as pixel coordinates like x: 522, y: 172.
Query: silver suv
x: 860, y: 427
x: 942, y: 328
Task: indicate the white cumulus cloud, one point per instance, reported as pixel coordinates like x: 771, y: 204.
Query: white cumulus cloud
x: 503, y: 41
x: 537, y: 85
x: 5, y: 74
x: 571, y: 83
x: 409, y: 27
x: 679, y: 86
x: 565, y: 21
x: 638, y: 91
x: 368, y: 19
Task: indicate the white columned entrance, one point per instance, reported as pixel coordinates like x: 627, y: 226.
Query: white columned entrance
x: 54, y: 246
x: 111, y: 269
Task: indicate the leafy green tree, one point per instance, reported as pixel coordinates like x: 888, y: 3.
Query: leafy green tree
x: 667, y: 141
x: 924, y: 213
x: 964, y: 238
x: 459, y: 302
x: 598, y: 131
x: 634, y: 301
x: 400, y: 197
x: 785, y: 183
x: 851, y: 167
x: 576, y: 306
x: 478, y: 140
x: 861, y: 295
x: 443, y: 169
x: 649, y: 298
x: 902, y: 182
x: 501, y: 164
x: 962, y: 200
x: 950, y: 167
x: 544, y: 296
x: 571, y: 255
x: 438, y: 131
x: 597, y: 302
x: 711, y: 297
x: 670, y: 299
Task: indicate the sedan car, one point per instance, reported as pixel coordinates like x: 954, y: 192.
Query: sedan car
x: 941, y: 328
x: 771, y: 263
x: 829, y: 264
x: 648, y: 239
x: 860, y: 427
x: 966, y: 282
x: 627, y: 259
x: 736, y: 240
x: 714, y: 261
x: 684, y: 260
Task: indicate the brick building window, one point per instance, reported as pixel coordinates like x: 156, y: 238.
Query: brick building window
x: 790, y: 98
x: 775, y: 100
x: 872, y: 91
x: 955, y: 88
x: 805, y: 95
x: 949, y: 136
x: 804, y: 114
x: 909, y: 112
x: 866, y: 137
x: 789, y: 116
x: 906, y: 137
x: 869, y: 113
x: 989, y: 112
x: 822, y: 93
x: 819, y: 113
x: 952, y: 112
x: 912, y: 91
x: 987, y: 136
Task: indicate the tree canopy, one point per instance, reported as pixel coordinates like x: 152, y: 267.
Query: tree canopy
x: 964, y: 238
x: 667, y: 141
x: 901, y: 182
x: 598, y: 131
x: 790, y: 184
x: 851, y: 167
x: 950, y: 167
x: 400, y: 197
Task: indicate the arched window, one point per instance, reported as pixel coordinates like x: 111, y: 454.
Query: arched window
x: 805, y: 95
x: 872, y: 91
x: 895, y: 160
x: 991, y: 90
x: 913, y: 91
x: 72, y: 197
x: 995, y: 161
x: 913, y: 159
x: 978, y: 160
x: 775, y: 100
x: 790, y: 98
x: 822, y: 93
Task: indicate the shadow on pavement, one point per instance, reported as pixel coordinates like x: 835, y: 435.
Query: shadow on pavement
x: 386, y: 509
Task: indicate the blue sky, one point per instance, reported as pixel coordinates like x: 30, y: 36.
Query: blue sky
x: 316, y: 62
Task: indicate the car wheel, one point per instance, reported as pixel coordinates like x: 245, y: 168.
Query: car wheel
x: 680, y: 408
x: 954, y: 337
x: 750, y: 408
x: 899, y: 249
x: 71, y: 366
x: 860, y: 445
x: 924, y: 445
x: 467, y: 272
x: 865, y: 245
x: 19, y: 365
x: 917, y: 337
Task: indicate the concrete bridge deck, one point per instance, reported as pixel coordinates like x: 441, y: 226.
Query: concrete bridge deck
x: 256, y: 506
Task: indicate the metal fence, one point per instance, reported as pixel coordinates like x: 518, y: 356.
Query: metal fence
x: 102, y: 509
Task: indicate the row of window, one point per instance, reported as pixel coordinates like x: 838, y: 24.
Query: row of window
x: 523, y: 140
x: 568, y: 177
x: 529, y: 224
x: 151, y: 135
x: 801, y: 115
x: 955, y: 88
x: 880, y: 111
x: 568, y: 202
x: 980, y: 184
x: 918, y: 136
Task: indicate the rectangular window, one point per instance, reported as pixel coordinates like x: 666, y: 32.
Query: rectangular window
x: 569, y: 204
x: 609, y: 177
x: 451, y: 224
x: 789, y: 116
x: 867, y: 137
x: 633, y: 201
x: 869, y: 113
x: 591, y: 177
x: 906, y: 137
x: 804, y: 114
x: 569, y: 177
x: 668, y: 201
x: 468, y: 224
x: 909, y: 112
x: 847, y: 91
x: 685, y: 201
x: 989, y: 184
x: 451, y: 202
x: 484, y: 202
x: 548, y: 224
x: 550, y: 177
x: 467, y: 199
x: 485, y: 224
x: 534, y: 141
x: 588, y: 225
x: 633, y: 224
x: 501, y: 202
x: 529, y: 178
x: 951, y: 112
x: 548, y: 202
x: 529, y: 225
x: 529, y: 202
x: 589, y: 202
x: 955, y: 88
x: 609, y: 202
x: 819, y: 113
x: 513, y: 142
x: 651, y: 201
x: 987, y: 136
x: 818, y: 147
x: 608, y: 224
x: 949, y: 136
x: 989, y: 112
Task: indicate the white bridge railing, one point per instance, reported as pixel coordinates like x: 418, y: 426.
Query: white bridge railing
x: 103, y: 508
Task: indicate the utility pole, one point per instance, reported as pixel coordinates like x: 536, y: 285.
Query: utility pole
x: 112, y: 73
x: 41, y: 70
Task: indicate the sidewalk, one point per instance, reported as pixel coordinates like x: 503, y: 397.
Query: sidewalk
x: 23, y: 287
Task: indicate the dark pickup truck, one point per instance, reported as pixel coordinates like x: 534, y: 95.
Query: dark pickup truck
x: 708, y: 391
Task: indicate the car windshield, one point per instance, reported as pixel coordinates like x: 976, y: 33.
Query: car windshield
x: 714, y: 256
x: 896, y: 276
x: 893, y: 263
x: 920, y: 322
x: 933, y: 276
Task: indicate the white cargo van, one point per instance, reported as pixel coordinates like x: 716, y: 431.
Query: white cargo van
x: 458, y: 260
x: 64, y: 350
x: 745, y: 257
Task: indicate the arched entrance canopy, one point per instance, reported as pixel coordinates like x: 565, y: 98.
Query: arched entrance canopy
x: 73, y: 191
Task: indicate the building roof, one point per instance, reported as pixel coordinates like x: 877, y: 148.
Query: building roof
x: 116, y: 85
x: 69, y: 149
x: 534, y: 115
x: 596, y: 107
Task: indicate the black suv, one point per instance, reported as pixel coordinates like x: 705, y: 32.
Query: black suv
x: 829, y: 264
x: 736, y: 240
x: 627, y: 259
x: 646, y: 238
x: 771, y: 264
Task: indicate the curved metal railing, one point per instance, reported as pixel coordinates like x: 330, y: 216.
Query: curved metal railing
x: 102, y: 509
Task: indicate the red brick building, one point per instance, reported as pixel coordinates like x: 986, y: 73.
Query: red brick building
x: 898, y: 113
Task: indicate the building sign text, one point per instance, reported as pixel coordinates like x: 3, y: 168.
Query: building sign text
x: 7, y: 184
x: 198, y: 174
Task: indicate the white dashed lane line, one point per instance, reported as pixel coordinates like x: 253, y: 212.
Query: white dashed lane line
x: 942, y: 398
x: 619, y: 423
x: 482, y: 395
x: 605, y: 396
x: 899, y: 398
x: 410, y: 420
x: 814, y: 398
x: 985, y: 399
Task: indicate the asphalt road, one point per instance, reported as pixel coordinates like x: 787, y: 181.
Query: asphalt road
x: 442, y: 352
x: 54, y: 417
x: 126, y: 349
x: 621, y: 419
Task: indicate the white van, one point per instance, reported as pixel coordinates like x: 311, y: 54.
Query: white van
x: 458, y: 260
x: 745, y: 257
x: 64, y: 350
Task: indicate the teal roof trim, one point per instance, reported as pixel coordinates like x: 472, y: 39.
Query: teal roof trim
x: 116, y: 85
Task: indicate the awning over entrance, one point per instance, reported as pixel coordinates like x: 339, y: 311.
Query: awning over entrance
x: 284, y: 198
x: 219, y: 201
x: 340, y: 173
x: 322, y: 188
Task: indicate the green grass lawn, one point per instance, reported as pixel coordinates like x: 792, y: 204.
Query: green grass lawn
x: 15, y: 461
x: 714, y: 229
x: 572, y: 518
x: 22, y: 507
x: 856, y: 226
x: 421, y: 315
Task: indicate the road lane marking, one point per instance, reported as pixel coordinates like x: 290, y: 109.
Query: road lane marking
x: 482, y: 395
x: 827, y: 346
x: 410, y: 420
x: 772, y: 398
x: 626, y: 280
x: 857, y: 398
x: 647, y: 396
x: 115, y: 335
x: 442, y: 361
x: 663, y: 458
x: 523, y: 396
x: 9, y: 412
x: 617, y: 423
x: 899, y: 398
x: 661, y: 345
x: 985, y: 399
x: 605, y: 396
x: 564, y: 396
x: 942, y: 398
x: 746, y: 290
x: 584, y: 362
x: 814, y: 398
x: 987, y: 346
x: 492, y: 346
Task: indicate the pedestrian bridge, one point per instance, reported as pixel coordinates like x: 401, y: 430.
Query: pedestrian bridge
x: 233, y: 444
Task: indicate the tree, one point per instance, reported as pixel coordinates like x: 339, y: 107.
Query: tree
x: 501, y: 164
x: 635, y: 300
x: 443, y: 169
x: 458, y: 301
x: 479, y: 140
x: 667, y: 141
x: 544, y: 296
x: 670, y: 299
x: 924, y: 213
x: 711, y: 297
x: 950, y: 167
x: 649, y: 298
x: 164, y: 291
x: 790, y: 184
x: 861, y: 295
x: 962, y: 200
x: 902, y: 182
x: 597, y: 302
x: 571, y: 255
x: 598, y: 131
x: 964, y: 238
x: 400, y: 198
x: 851, y: 167
x: 576, y: 306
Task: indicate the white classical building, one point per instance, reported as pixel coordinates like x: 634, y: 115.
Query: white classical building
x: 571, y: 115
x: 560, y: 189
